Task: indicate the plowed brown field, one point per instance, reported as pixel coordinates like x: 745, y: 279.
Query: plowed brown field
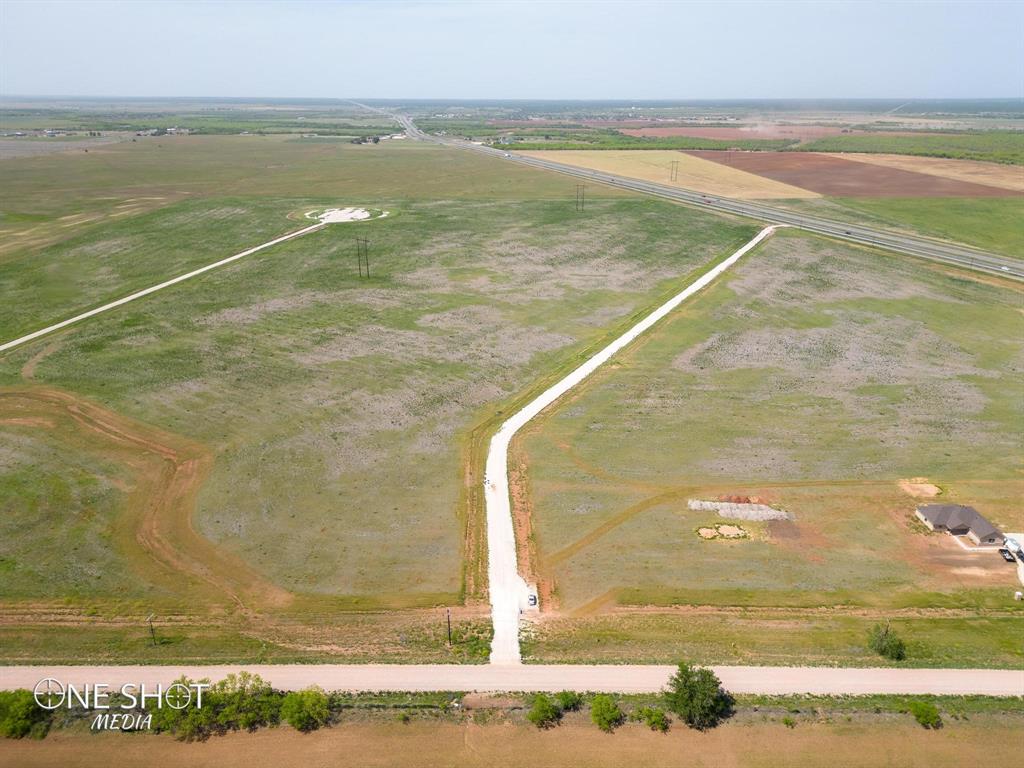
x: 838, y: 177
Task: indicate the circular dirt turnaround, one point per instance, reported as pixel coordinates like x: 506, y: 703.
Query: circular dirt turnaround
x: 345, y: 215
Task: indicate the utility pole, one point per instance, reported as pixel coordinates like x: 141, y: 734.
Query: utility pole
x: 152, y: 631
x: 449, y: 610
x: 581, y: 197
x: 363, y: 255
x: 674, y: 171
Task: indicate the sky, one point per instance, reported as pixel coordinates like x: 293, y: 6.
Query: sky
x: 512, y: 50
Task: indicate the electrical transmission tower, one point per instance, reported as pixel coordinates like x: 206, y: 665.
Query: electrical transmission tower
x: 363, y: 255
x: 673, y: 174
x: 581, y: 197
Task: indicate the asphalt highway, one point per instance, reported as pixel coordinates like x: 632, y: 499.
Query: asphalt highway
x: 921, y: 247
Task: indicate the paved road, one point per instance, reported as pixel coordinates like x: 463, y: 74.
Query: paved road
x: 528, y: 677
x: 922, y: 247
x: 508, y: 592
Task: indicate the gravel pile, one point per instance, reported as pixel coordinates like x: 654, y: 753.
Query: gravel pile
x: 734, y: 511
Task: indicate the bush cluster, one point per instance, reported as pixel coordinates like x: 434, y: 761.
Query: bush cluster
x: 926, y: 714
x: 885, y: 642
x: 20, y: 717
x: 243, y: 702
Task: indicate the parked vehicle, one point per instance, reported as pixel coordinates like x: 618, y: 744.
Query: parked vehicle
x: 1006, y: 555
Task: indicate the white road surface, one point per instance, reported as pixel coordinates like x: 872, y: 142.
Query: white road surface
x: 508, y: 592
x: 626, y: 678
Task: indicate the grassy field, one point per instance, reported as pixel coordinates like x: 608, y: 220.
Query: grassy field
x: 992, y: 146
x: 814, y: 376
x: 281, y: 436
x: 991, y: 224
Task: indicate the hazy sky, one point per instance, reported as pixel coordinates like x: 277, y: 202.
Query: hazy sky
x: 585, y: 50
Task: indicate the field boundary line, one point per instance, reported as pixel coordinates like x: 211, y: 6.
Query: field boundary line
x: 153, y: 289
x: 508, y: 592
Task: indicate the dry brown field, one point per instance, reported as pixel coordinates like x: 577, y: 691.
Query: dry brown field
x: 694, y: 172
x: 974, y: 171
x: 574, y: 743
x: 841, y: 177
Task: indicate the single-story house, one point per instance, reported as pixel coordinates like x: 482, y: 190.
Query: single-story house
x: 960, y: 521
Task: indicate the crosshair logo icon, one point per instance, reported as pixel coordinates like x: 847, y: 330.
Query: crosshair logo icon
x: 178, y: 696
x: 49, y: 693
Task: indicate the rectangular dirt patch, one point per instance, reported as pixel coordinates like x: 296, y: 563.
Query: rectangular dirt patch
x: 839, y: 177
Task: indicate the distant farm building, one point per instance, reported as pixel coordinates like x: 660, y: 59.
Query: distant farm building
x: 960, y: 521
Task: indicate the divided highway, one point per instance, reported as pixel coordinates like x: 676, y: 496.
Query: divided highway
x: 921, y: 247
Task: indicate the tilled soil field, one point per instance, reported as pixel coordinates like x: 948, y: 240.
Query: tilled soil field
x: 838, y: 177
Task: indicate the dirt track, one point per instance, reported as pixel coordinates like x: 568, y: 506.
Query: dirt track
x: 619, y: 678
x: 168, y: 471
x: 838, y: 177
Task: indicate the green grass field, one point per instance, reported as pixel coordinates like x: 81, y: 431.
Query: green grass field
x: 991, y: 146
x: 815, y: 375
x: 989, y: 223
x: 317, y: 421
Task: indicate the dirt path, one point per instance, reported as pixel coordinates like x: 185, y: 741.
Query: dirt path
x: 617, y: 678
x: 159, y: 539
x: 153, y: 289
x: 509, y: 593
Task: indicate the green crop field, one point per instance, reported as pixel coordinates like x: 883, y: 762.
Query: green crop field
x: 992, y: 146
x: 273, y: 456
x: 814, y: 376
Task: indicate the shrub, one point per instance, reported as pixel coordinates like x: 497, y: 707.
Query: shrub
x: 652, y: 717
x: 20, y: 716
x: 885, y: 642
x: 306, y: 710
x: 189, y: 724
x: 696, y: 695
x: 926, y: 714
x: 244, y: 701
x: 569, y: 701
x: 605, y: 713
x: 789, y: 722
x: 543, y: 713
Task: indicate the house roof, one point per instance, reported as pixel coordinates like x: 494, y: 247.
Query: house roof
x: 957, y: 516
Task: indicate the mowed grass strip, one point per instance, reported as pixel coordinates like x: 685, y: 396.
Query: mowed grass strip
x: 814, y: 375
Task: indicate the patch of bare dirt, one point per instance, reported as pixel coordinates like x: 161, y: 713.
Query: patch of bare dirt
x: 919, y: 487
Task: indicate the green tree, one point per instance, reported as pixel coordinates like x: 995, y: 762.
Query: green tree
x: 569, y: 701
x: 606, y: 713
x: 244, y: 701
x: 926, y: 714
x: 306, y: 710
x: 885, y: 642
x: 20, y: 716
x: 543, y: 712
x: 696, y: 695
